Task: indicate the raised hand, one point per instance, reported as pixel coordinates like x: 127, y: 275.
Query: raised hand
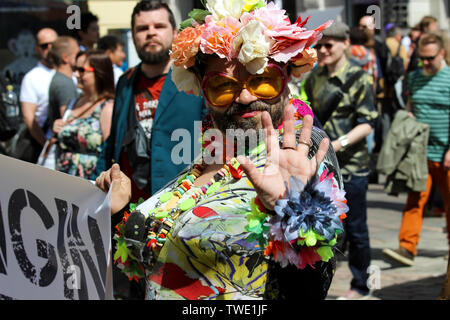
x: 121, y: 187
x: 282, y: 163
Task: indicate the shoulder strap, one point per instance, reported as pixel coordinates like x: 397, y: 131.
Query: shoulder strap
x: 69, y: 108
x: 334, y: 101
x: 398, y: 49
x: 348, y: 84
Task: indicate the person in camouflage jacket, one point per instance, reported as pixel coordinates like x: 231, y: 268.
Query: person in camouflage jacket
x: 341, y: 96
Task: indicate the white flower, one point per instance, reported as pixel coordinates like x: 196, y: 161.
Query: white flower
x: 221, y: 9
x: 253, y: 47
x: 185, y: 80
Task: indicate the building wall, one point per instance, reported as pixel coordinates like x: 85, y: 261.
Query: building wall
x: 117, y: 14
x: 112, y: 14
x: 115, y: 18
x: 436, y: 8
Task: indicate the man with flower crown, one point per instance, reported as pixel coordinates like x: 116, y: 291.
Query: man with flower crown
x: 261, y: 220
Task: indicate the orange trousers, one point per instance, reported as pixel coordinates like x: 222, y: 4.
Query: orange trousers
x: 413, y: 213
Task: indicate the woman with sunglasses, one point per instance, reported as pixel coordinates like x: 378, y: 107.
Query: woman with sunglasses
x: 87, y: 124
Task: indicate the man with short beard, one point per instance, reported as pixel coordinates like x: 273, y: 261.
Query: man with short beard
x: 212, y: 233
x: 148, y: 107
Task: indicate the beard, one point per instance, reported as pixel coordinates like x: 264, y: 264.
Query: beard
x: 153, y: 58
x: 244, y: 134
x: 231, y: 118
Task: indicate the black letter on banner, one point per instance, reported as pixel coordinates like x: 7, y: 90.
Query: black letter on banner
x: 96, y: 238
x: 17, y: 203
x: 85, y: 253
x: 83, y: 291
x: 3, y: 262
x: 63, y: 256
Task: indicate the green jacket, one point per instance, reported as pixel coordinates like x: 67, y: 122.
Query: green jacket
x: 403, y: 156
x: 354, y: 107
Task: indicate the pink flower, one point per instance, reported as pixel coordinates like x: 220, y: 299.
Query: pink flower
x: 293, y: 39
x: 301, y: 109
x: 325, y: 175
x: 218, y: 37
x: 277, y: 26
x: 273, y: 18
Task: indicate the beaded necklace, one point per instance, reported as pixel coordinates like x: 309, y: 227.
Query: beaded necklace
x: 183, y: 197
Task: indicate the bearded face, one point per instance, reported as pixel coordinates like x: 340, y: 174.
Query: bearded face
x: 246, y: 109
x: 247, y: 117
x: 153, y: 58
x: 153, y: 35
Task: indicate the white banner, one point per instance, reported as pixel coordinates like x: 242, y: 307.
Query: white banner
x: 55, y: 235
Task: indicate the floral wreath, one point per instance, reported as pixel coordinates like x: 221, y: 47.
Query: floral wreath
x: 251, y: 31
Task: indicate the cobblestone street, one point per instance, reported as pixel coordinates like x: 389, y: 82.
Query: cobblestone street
x: 424, y: 280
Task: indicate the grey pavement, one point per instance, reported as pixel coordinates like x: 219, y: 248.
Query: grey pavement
x: 424, y: 280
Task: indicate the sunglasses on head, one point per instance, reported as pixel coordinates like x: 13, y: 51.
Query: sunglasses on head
x: 221, y: 89
x: 327, y: 46
x: 44, y: 46
x: 429, y: 59
x: 82, y: 70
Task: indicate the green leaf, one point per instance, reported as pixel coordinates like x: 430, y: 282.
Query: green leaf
x: 326, y: 253
x: 199, y: 15
x: 122, y: 251
x: 310, y: 240
x: 186, y: 24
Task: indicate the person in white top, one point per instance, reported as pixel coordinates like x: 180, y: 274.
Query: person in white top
x: 114, y: 48
x: 35, y: 86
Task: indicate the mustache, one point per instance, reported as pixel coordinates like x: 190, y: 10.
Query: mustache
x: 148, y: 43
x: 253, y: 106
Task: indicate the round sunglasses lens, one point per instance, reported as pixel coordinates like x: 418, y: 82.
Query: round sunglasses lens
x: 221, y: 90
x: 267, y: 85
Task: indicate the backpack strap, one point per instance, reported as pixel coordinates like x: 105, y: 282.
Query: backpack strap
x: 348, y: 84
x: 398, y: 49
x: 343, y: 89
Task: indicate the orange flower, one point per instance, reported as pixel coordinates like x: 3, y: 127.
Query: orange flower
x: 304, y: 61
x: 269, y: 249
x: 307, y: 56
x: 185, y: 46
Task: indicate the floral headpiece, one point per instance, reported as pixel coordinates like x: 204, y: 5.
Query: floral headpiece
x: 250, y: 30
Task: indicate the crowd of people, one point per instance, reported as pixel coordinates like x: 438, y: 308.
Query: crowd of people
x: 86, y: 116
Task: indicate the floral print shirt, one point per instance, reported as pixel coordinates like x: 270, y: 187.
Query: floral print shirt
x: 80, y: 144
x: 207, y: 254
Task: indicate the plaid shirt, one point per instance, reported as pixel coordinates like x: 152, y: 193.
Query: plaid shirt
x: 357, y: 106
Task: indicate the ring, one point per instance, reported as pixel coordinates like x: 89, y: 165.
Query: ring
x: 288, y: 148
x: 305, y: 143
